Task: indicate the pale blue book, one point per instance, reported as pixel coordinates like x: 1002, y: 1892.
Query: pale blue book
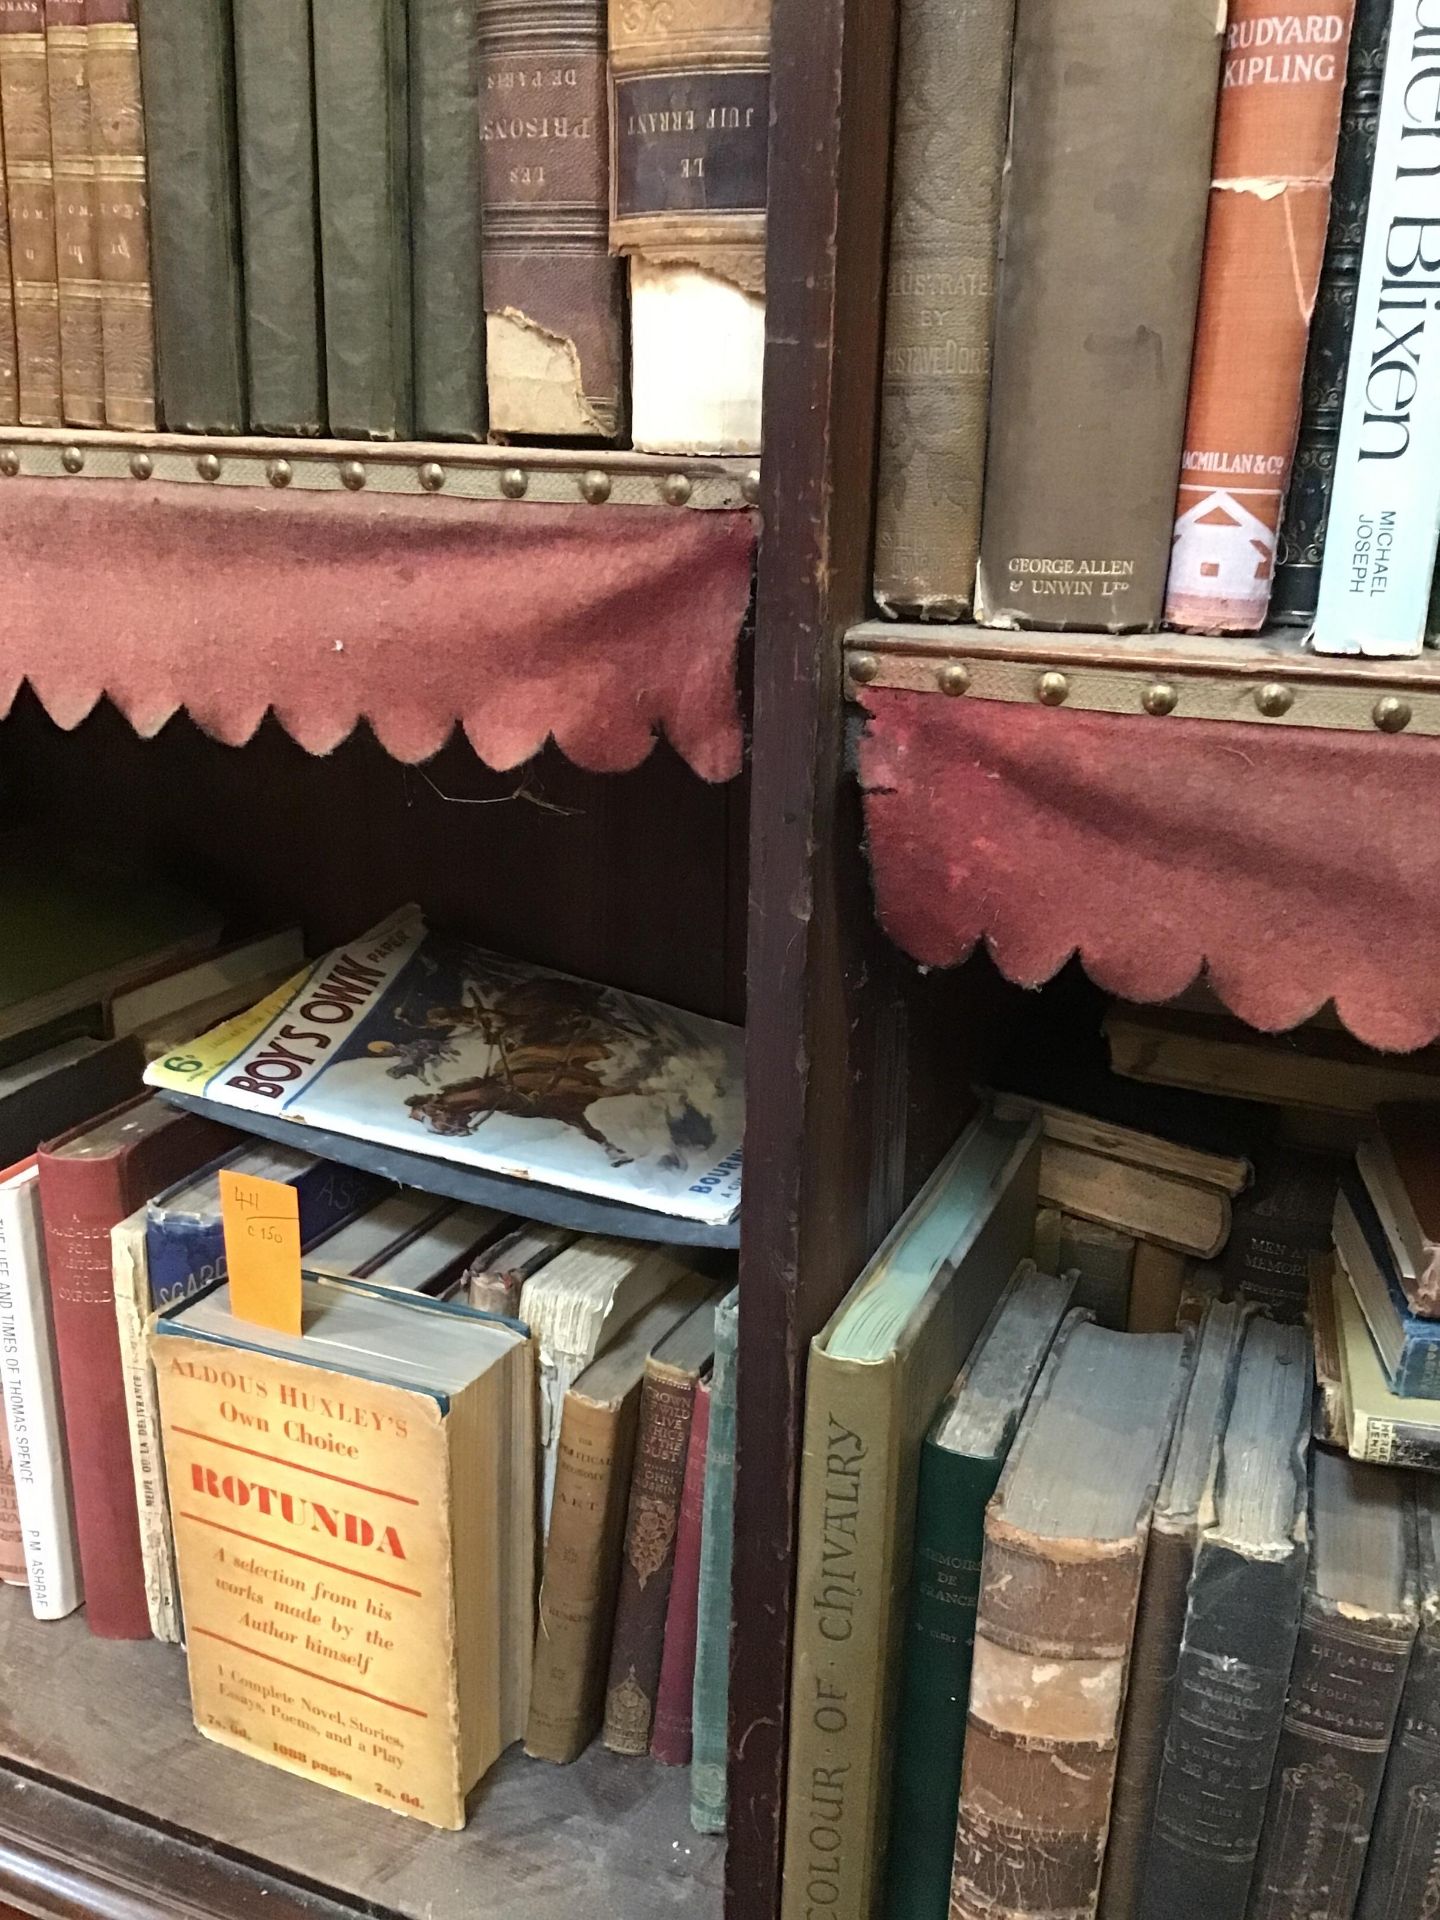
x: 711, y: 1700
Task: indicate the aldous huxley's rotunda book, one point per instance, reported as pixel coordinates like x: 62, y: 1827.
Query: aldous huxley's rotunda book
x: 422, y: 1042
x: 354, y: 1514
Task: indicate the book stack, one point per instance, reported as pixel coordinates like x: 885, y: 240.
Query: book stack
x: 1087, y: 1622
x: 1100, y: 434
x: 495, y: 1431
x: 387, y: 220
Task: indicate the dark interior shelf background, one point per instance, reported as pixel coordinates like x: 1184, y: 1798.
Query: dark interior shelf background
x: 111, y: 1719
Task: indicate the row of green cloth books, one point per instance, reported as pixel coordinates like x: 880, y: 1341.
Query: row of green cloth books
x: 391, y: 220
x: 1088, y: 1621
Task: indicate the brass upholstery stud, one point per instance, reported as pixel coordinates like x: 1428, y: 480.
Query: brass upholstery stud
x: 953, y: 679
x: 432, y: 476
x: 208, y: 467
x: 279, y: 473
x: 513, y: 483
x: 9, y: 463
x: 595, y: 486
x: 1160, y: 698
x: 1392, y: 715
x: 1052, y: 689
x: 750, y: 488
x: 863, y: 668
x: 352, y: 475
x: 141, y: 465
x: 677, y: 489
x: 1273, y: 700
x: 73, y: 460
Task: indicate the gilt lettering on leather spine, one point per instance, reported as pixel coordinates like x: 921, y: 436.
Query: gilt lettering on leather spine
x: 1096, y: 313
x: 77, y: 252
x: 951, y: 109
x: 1279, y: 117
x: 554, y: 299
x: 30, y: 192
x: 122, y: 213
x: 666, y: 1405
x: 1307, y: 508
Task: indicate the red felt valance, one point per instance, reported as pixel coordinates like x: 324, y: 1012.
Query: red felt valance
x: 1298, y: 866
x: 599, y: 627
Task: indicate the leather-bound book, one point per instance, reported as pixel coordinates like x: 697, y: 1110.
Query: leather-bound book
x: 667, y: 1402
x: 1105, y: 1263
x: 187, y: 64
x: 9, y: 367
x: 1402, y: 1872
x: 449, y: 315
x: 1307, y: 509
x: 1113, y: 110
x: 1279, y: 116
x: 362, y: 127
x: 90, y: 1180
x: 554, y: 299
x: 77, y: 249
x: 1161, y: 1616
x: 275, y: 115
x: 598, y: 1421
x: 30, y: 192
x: 690, y: 129
x: 122, y: 212
x: 1357, y: 1628
x: 709, y: 1762
x: 1065, y: 1542
x: 1242, y: 1612
x: 952, y: 98
x: 670, y: 1737
x: 1281, y: 1237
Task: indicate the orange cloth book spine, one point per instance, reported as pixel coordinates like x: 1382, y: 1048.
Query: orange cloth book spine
x: 1281, y: 85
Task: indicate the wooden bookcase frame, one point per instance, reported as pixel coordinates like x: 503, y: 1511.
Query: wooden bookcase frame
x: 856, y: 1080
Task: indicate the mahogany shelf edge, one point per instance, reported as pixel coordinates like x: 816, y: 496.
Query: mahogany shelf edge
x: 1270, y: 679
x: 512, y: 475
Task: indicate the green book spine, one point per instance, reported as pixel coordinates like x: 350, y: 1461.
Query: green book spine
x: 449, y: 313
x: 363, y: 140
x: 935, y: 1691
x: 187, y: 69
x: 275, y: 110
x: 711, y: 1700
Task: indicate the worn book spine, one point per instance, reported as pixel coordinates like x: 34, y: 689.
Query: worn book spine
x: 1052, y: 1640
x: 689, y: 131
x: 951, y: 109
x: 1345, y: 1690
x: 122, y: 212
x: 1307, y: 506
x: 30, y: 193
x: 9, y: 365
x: 554, y: 298
x: 1104, y: 227
x: 449, y: 315
x: 581, y: 1575
x: 274, y: 104
x: 12, y: 1541
x: 647, y: 1566
x: 671, y: 1735
x: 77, y: 246
x: 1281, y: 84
x: 362, y: 124
x: 1385, y: 504
x: 133, y: 1316
x: 1160, y: 1621
x: 33, y: 1420
x: 935, y: 1691
x: 1105, y: 1262
x: 1280, y: 1242
x: 710, y: 1710
x: 1402, y: 1875
x: 1226, y: 1707
x: 1156, y: 1284
x: 187, y: 63
x: 1392, y: 1443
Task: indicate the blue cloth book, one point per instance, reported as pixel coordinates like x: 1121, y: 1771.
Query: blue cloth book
x: 1409, y: 1347
x: 184, y: 1239
x: 710, y: 1706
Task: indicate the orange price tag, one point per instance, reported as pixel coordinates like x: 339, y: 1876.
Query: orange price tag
x: 261, y: 1220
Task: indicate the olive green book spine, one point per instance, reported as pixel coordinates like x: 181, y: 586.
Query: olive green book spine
x: 187, y: 71
x: 362, y: 125
x: 274, y: 97
x: 449, y: 311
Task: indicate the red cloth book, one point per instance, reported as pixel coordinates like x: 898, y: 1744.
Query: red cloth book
x: 90, y: 1179
x: 670, y: 1739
